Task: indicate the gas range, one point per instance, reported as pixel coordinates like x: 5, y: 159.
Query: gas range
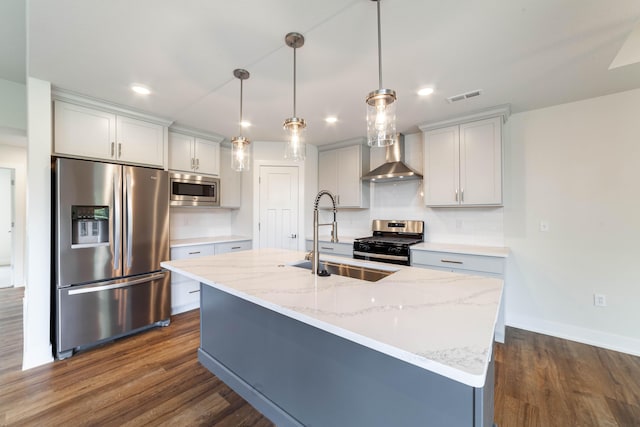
x: 390, y: 242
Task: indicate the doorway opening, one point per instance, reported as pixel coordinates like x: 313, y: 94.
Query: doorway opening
x: 7, y: 224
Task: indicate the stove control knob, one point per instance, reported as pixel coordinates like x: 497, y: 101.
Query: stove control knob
x: 394, y: 250
x: 364, y: 247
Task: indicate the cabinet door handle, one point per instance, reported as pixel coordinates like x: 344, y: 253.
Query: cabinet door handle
x: 113, y: 144
x: 457, y: 195
x: 193, y: 292
x: 119, y: 149
x: 293, y: 236
x: 197, y: 163
x: 462, y: 195
x: 451, y: 261
x: 338, y: 199
x: 193, y: 163
x: 235, y: 247
x: 193, y: 253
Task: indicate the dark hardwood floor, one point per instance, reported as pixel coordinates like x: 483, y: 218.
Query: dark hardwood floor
x: 154, y: 378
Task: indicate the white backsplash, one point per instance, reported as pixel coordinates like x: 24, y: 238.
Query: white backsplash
x: 405, y: 200
x: 188, y: 223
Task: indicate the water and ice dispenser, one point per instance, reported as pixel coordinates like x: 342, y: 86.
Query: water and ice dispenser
x: 89, y: 226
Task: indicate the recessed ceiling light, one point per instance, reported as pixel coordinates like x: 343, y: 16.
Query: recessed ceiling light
x: 425, y: 91
x: 139, y: 89
x: 331, y: 119
x: 245, y: 124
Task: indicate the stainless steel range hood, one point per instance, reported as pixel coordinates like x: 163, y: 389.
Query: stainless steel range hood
x: 394, y: 168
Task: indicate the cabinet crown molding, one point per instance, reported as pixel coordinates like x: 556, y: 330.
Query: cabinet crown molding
x: 345, y: 143
x: 503, y: 111
x: 58, y: 94
x: 185, y: 130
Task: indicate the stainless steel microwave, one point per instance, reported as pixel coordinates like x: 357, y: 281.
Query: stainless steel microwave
x: 194, y: 190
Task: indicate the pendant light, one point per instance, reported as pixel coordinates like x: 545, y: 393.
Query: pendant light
x: 240, y: 155
x: 381, y: 107
x: 294, y: 126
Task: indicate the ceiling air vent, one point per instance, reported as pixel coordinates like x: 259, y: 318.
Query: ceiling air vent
x: 464, y: 96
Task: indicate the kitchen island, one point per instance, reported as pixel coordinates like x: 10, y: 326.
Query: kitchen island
x: 414, y: 348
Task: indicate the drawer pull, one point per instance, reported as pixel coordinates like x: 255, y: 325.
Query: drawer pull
x: 193, y: 253
x: 236, y: 247
x: 193, y: 292
x: 451, y: 261
x: 326, y: 248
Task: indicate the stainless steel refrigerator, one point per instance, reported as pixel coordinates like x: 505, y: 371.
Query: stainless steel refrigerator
x: 111, y: 231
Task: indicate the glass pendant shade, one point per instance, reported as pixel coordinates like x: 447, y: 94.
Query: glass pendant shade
x: 381, y: 118
x: 240, y: 154
x: 296, y: 147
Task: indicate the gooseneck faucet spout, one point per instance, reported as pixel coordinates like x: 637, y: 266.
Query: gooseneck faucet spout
x: 315, y: 254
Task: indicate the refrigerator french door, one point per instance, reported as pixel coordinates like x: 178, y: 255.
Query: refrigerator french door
x: 111, y: 233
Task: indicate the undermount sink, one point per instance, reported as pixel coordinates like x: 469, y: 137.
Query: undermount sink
x: 348, y: 270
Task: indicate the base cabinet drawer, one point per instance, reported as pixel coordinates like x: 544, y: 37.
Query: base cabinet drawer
x: 453, y: 261
x: 223, y: 248
x: 185, y: 292
x: 186, y: 252
x: 185, y: 296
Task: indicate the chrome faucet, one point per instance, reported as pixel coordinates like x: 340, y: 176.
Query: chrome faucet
x: 315, y: 254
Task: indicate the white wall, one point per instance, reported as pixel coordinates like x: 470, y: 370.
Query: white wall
x: 13, y: 105
x: 577, y: 167
x: 188, y: 223
x: 37, y: 300
x: 14, y: 157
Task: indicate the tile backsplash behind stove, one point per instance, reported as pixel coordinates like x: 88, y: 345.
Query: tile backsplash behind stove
x: 472, y: 226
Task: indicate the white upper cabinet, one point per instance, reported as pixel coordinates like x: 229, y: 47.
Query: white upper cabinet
x: 230, y: 181
x: 463, y: 164
x: 92, y: 133
x: 189, y: 153
x: 339, y: 171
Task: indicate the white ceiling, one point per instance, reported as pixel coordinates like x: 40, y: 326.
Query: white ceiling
x: 13, y: 36
x: 529, y: 53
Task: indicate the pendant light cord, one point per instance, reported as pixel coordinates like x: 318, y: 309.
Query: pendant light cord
x: 379, y: 48
x: 294, y: 82
x: 241, y: 81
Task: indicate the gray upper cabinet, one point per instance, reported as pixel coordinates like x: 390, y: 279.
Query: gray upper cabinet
x: 92, y: 133
x: 189, y: 153
x: 463, y: 164
x: 230, y: 181
x: 339, y: 171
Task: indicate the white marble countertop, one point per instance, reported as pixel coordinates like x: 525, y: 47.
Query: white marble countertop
x: 176, y: 243
x: 443, y: 322
x: 496, y: 251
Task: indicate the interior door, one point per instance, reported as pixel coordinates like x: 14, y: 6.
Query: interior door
x: 279, y: 207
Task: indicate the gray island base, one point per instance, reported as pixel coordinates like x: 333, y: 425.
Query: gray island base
x: 297, y: 374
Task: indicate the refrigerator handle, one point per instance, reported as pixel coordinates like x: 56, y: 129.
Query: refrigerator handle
x: 129, y: 208
x: 116, y: 228
x: 114, y: 284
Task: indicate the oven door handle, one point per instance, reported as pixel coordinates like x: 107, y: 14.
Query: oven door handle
x: 381, y: 256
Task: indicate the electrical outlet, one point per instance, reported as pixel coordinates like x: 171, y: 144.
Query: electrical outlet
x: 599, y: 300
x: 544, y: 226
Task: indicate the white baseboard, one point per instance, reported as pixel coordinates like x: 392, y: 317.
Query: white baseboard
x: 575, y: 333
